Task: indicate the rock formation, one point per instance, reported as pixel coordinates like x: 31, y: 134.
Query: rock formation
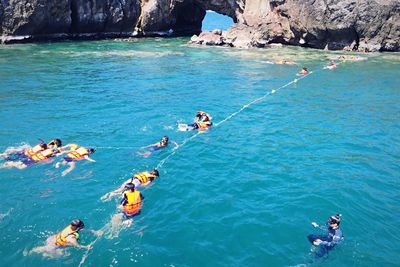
x: 372, y: 25
x: 365, y: 25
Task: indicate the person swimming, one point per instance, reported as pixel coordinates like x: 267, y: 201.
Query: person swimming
x: 131, y: 205
x: 285, y: 62
x: 330, y: 239
x: 303, y: 71
x: 75, y: 153
x: 331, y: 65
x: 156, y: 146
x: 31, y: 155
x: 69, y: 236
x: 202, y: 121
x: 138, y: 179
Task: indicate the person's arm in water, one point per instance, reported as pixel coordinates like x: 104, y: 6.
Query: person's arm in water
x: 73, y: 242
x: 322, y: 227
x: 175, y: 143
x: 95, y: 232
x: 89, y: 159
x: 117, y: 191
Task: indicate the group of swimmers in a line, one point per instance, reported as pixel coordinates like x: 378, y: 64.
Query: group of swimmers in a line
x: 131, y: 202
x: 45, y: 153
x: 132, y: 199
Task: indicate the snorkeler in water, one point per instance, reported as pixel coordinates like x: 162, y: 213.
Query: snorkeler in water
x: 138, y: 179
x: 69, y: 236
x: 41, y: 152
x: 332, y: 236
x: 75, y: 153
x: 131, y: 205
x: 331, y: 65
x: 202, y: 121
x: 303, y: 71
x: 156, y: 146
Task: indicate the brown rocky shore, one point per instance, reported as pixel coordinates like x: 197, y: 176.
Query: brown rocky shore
x: 362, y: 25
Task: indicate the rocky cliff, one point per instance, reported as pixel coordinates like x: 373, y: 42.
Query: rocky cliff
x: 364, y: 25
x: 333, y: 24
x: 30, y: 20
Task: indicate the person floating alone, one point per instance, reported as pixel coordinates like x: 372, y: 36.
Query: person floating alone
x: 75, y: 153
x: 332, y: 236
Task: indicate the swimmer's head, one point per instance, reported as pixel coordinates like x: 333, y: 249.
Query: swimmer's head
x: 155, y: 172
x: 130, y: 186
x: 334, y: 220
x: 55, y: 142
x: 91, y: 150
x: 77, y: 224
x: 43, y: 145
x: 165, y: 139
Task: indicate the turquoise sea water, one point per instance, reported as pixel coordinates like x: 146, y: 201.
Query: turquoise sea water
x: 242, y: 194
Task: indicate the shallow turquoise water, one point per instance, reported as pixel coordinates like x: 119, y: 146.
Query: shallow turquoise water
x: 243, y: 193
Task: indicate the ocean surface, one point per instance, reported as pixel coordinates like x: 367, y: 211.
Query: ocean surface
x: 243, y: 193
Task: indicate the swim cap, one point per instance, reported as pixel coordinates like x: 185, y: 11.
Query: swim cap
x: 155, y: 172
x: 78, y: 223
x: 130, y: 186
x: 165, y: 138
x: 334, y: 219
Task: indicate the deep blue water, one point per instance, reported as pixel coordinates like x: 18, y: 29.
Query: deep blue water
x: 244, y: 193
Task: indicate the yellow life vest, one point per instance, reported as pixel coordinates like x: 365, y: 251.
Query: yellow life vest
x: 34, y: 150
x: 61, y: 237
x: 144, y: 177
x: 204, y: 124
x: 45, y: 154
x: 134, y: 204
x: 72, y: 146
x: 78, y: 154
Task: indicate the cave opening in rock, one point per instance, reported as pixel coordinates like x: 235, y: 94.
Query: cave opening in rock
x: 213, y: 21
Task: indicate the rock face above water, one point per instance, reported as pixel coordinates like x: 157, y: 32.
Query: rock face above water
x: 332, y: 24
x: 365, y: 25
x: 29, y: 20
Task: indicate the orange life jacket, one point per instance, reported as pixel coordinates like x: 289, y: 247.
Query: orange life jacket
x: 144, y: 177
x: 203, y: 124
x: 34, y: 150
x: 78, y: 154
x: 134, y: 204
x: 45, y: 154
x: 61, y: 237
